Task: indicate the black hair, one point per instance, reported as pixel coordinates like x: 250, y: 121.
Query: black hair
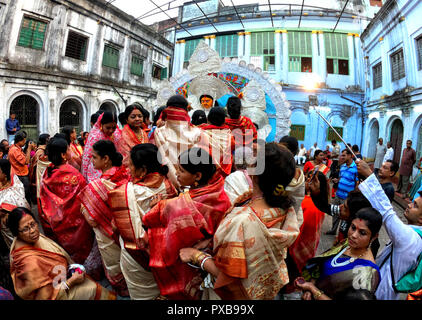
x: 290, y: 143
x: 234, y: 106
x: 43, y: 139
x: 394, y: 167
x: 5, y: 168
x: 355, y: 148
x: 1, y: 142
x: 145, y: 114
x: 122, y: 118
x: 356, y: 201
x: 196, y: 160
x: 317, y: 152
x: 280, y: 168
x: 334, y: 141
x: 54, y: 150
x: 81, y: 141
x: 373, y: 219
x: 157, y: 114
x: 108, y: 117
x: 107, y: 148
x: 217, y: 116
x: 147, y: 156
x: 25, y: 148
x: 94, y: 118
x: 15, y: 217
x: 67, y: 131
x: 132, y: 107
x: 60, y: 136
x: 347, y: 151
x: 199, y: 117
x: 177, y: 101
x: 20, y: 136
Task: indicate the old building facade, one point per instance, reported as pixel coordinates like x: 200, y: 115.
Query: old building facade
x: 61, y: 61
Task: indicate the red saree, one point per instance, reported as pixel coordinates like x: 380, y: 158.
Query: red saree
x: 76, y: 158
x: 306, y: 245
x: 310, y: 166
x: 128, y: 140
x: 180, y: 223
x: 221, y: 146
x: 243, y: 130
x: 60, y: 212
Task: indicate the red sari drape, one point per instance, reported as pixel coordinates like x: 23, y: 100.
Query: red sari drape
x: 128, y: 140
x: 221, y: 145
x: 76, y: 159
x: 60, y: 212
x: 243, y: 130
x: 179, y: 223
x: 306, y: 245
x: 310, y: 166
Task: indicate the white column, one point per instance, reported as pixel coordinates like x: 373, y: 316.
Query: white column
x: 285, y: 62
x: 352, y: 66
x: 125, y: 61
x: 176, y: 58
x: 247, y: 56
x: 240, y: 45
x: 315, y: 56
x: 359, y: 70
x: 212, y: 42
x: 277, y: 49
x: 182, y: 54
x: 207, y: 40
x: 323, y: 58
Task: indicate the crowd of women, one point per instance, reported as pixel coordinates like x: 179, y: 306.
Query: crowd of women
x: 173, y: 210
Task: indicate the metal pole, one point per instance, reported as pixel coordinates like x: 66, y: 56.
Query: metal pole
x: 335, y: 131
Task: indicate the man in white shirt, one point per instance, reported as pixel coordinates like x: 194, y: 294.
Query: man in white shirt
x: 389, y: 155
x: 301, y: 156
x: 312, y: 150
x: 407, y: 243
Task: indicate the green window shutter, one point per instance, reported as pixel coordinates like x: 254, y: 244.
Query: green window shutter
x: 163, y: 73
x: 137, y: 66
x: 331, y: 134
x: 300, y: 46
x: 336, y: 45
x: 226, y: 46
x: 297, y: 131
x: 111, y: 57
x: 32, y: 33
x: 190, y: 46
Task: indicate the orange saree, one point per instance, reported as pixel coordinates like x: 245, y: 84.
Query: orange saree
x: 180, y: 223
x: 128, y: 140
x: 60, y: 211
x: 38, y: 271
x: 76, y: 155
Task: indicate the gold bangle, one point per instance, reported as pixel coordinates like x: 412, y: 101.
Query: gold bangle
x: 318, y: 294
x: 195, y: 259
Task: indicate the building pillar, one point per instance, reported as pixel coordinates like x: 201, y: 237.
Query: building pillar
x: 182, y: 54
x: 285, y: 62
x: 323, y: 57
x: 212, y: 41
x: 95, y: 52
x: 352, y: 69
x: 240, y: 45
x: 176, y: 58
x: 247, y: 56
x: 278, y: 55
x: 125, y: 61
x: 207, y: 40
x: 359, y: 71
x: 315, y: 55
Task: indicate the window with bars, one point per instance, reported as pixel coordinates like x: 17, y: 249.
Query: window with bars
x: 32, y: 33
x: 190, y: 46
x: 397, y: 65
x: 76, y: 46
x: 300, y: 51
x: 137, y: 66
x: 419, y: 52
x: 337, y: 53
x: 262, y: 44
x: 226, y: 46
x: 111, y: 57
x: 297, y: 131
x: 159, y: 72
x: 331, y: 134
x: 377, y: 75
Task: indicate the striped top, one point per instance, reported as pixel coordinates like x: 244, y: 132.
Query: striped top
x: 348, y: 178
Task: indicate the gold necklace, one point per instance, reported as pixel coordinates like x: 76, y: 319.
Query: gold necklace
x: 352, y: 259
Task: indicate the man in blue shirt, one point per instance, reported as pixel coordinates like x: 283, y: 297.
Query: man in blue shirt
x: 346, y: 183
x: 12, y: 126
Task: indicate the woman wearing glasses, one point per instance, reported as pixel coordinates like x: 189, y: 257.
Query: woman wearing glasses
x: 39, y: 266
